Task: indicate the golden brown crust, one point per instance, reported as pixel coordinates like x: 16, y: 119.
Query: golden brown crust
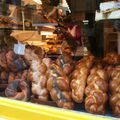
x: 95, y: 102
x: 79, y: 77
x: 58, y: 86
x: 96, y: 91
x: 39, y: 79
x: 114, y: 86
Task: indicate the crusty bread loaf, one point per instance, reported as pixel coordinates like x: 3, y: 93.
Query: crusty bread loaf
x: 39, y: 79
x: 96, y: 91
x: 114, y: 86
x: 59, y: 87
x: 79, y: 77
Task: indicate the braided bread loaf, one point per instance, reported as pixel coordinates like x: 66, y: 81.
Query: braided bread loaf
x: 115, y: 91
x: 39, y: 80
x: 96, y: 91
x: 18, y: 90
x: 79, y: 77
x: 58, y: 86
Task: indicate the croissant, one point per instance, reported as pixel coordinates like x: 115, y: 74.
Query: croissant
x: 114, y: 86
x: 59, y: 88
x: 79, y: 77
x: 96, y: 91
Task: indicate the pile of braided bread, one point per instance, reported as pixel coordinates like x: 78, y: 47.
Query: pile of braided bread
x: 96, y: 85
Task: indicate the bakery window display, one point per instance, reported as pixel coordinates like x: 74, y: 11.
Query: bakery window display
x: 46, y: 82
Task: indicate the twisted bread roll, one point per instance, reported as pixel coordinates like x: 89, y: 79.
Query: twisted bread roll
x: 65, y: 62
x: 79, y: 77
x: 96, y: 91
x: 39, y: 80
x: 115, y: 91
x: 18, y: 90
x: 58, y: 86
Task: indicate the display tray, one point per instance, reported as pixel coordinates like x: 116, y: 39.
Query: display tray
x: 28, y: 111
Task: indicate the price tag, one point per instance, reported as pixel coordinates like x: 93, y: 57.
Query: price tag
x: 19, y: 49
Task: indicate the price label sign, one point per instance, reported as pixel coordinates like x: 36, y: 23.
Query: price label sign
x: 19, y: 49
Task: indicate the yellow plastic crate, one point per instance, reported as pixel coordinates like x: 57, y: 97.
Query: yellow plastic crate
x: 17, y: 110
